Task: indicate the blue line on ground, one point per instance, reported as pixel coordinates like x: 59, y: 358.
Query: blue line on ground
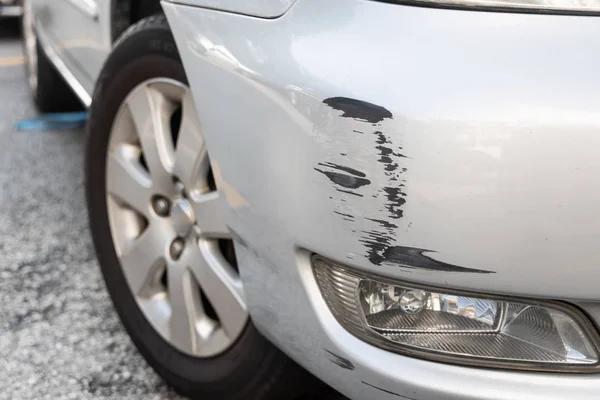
x: 54, y: 121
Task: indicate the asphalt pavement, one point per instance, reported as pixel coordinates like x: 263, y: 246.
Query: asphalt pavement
x: 59, y: 335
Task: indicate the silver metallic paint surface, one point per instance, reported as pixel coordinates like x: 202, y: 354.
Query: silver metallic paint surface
x: 497, y: 118
x: 258, y: 8
x: 79, y: 32
x: 496, y: 114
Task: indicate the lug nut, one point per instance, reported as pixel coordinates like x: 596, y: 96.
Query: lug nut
x: 176, y: 249
x: 161, y: 206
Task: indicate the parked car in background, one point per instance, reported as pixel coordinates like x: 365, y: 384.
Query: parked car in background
x: 400, y: 198
x: 11, y: 8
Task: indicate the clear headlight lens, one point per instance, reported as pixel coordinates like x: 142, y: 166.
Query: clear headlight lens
x: 447, y: 326
x: 559, y: 6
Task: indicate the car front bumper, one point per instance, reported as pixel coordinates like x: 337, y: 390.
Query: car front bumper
x: 357, y: 130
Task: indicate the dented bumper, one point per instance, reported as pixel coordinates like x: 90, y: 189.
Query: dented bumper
x: 445, y: 147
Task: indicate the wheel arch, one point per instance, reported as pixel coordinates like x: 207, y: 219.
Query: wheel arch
x: 125, y: 13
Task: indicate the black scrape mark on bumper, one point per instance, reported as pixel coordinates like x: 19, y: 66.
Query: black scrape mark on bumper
x: 388, y: 157
x: 347, y: 181
x: 350, y: 179
x: 345, y: 169
x: 392, y: 193
x: 376, y: 243
x: 411, y: 256
x: 383, y: 223
x: 358, y: 109
x: 379, y: 243
x: 380, y: 251
x: 349, y: 192
x: 340, y: 361
x: 347, y: 217
x: 395, y: 202
x: 388, y: 391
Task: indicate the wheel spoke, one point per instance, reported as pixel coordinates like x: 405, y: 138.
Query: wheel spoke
x: 185, y: 306
x: 151, y: 113
x: 211, y: 338
x: 143, y: 258
x: 221, y: 285
x: 158, y: 310
x: 191, y: 159
x: 126, y: 180
x: 210, y: 215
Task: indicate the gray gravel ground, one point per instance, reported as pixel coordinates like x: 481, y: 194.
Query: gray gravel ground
x: 59, y: 335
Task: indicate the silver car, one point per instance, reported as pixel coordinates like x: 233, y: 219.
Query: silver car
x: 402, y: 197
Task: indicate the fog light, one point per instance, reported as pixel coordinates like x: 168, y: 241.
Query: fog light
x: 454, y: 327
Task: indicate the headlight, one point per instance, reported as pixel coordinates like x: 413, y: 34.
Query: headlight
x: 461, y: 328
x: 533, y: 6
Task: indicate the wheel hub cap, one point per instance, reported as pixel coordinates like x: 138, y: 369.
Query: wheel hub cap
x: 167, y: 222
x: 183, y: 217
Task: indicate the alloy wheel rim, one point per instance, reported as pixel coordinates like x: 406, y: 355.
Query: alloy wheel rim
x: 30, y: 41
x: 167, y: 222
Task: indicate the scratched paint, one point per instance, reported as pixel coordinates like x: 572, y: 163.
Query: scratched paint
x: 380, y: 242
x: 349, y: 192
x: 370, y: 116
x: 358, y: 109
x: 346, y: 180
x: 388, y: 153
x: 388, y: 391
x: 408, y: 257
x: 340, y: 361
x: 346, y: 217
x: 347, y: 177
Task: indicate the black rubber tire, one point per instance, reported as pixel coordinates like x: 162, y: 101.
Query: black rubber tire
x: 252, y: 368
x: 52, y: 93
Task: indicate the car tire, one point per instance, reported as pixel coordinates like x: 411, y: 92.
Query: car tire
x: 251, y: 368
x: 49, y: 90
